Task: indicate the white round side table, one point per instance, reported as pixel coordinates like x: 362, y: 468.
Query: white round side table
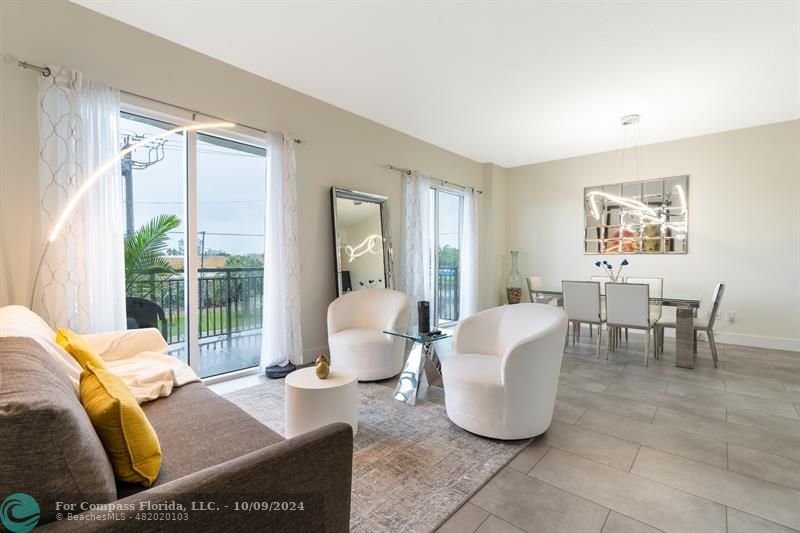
x: 312, y: 402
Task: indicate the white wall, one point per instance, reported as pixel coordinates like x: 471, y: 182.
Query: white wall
x: 744, y: 225
x: 339, y: 149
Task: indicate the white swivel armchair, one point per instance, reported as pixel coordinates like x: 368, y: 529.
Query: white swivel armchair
x: 502, y: 378
x: 356, y: 321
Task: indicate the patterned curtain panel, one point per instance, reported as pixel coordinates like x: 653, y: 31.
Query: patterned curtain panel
x: 416, y: 242
x: 282, y: 339
x: 81, y: 280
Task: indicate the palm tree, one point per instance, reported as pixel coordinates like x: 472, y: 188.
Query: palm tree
x: 144, y: 253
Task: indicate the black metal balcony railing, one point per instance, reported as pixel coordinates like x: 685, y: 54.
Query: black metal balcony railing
x: 448, y: 284
x: 231, y: 300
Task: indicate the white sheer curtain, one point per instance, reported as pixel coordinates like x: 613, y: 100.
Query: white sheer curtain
x: 81, y: 281
x: 415, y: 258
x: 281, y: 314
x: 468, y: 256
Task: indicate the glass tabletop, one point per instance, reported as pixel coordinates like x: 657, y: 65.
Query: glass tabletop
x: 664, y: 300
x: 412, y: 333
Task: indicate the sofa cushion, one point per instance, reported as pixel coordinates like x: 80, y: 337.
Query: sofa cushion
x: 128, y: 437
x: 48, y: 446
x: 79, y: 348
x: 198, y: 429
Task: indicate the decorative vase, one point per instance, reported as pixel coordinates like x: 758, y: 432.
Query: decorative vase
x: 323, y: 366
x: 424, y: 316
x: 514, y: 281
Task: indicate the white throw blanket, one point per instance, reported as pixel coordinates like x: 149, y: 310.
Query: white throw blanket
x: 138, y: 357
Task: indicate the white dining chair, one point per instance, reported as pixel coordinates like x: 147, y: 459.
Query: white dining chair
x: 702, y: 325
x: 582, y: 304
x: 628, y: 306
x: 656, y: 286
x: 534, y: 285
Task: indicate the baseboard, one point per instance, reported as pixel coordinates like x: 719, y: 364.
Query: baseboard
x: 757, y: 341
x: 742, y: 339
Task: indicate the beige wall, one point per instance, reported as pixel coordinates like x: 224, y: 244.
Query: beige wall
x: 744, y: 225
x: 339, y: 149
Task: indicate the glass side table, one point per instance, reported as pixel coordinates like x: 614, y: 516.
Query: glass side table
x: 422, y: 360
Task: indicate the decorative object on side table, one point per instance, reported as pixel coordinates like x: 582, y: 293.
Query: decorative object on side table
x: 514, y: 281
x: 323, y: 366
x: 608, y: 268
x: 424, y: 316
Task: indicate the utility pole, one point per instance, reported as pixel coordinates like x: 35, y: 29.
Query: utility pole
x: 202, y: 248
x: 127, y: 175
x: 155, y: 153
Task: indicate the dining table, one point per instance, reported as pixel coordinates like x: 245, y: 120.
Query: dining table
x: 685, y: 311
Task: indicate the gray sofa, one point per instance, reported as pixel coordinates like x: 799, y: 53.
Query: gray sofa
x: 214, y: 456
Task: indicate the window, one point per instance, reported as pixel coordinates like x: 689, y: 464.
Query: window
x: 446, y: 224
x: 198, y: 200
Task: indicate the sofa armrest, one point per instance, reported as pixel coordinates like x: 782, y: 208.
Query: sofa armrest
x: 314, y: 468
x: 122, y: 344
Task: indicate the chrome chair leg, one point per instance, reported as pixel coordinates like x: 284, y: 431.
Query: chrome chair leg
x: 646, y: 347
x: 712, y: 342
x: 597, y: 341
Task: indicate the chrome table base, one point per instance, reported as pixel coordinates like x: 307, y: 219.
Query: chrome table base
x: 421, y: 366
x: 684, y: 337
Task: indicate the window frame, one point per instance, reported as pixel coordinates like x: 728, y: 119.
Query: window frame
x: 434, y: 207
x: 177, y: 117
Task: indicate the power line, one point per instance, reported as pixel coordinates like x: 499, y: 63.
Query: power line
x: 222, y: 234
x: 202, y: 203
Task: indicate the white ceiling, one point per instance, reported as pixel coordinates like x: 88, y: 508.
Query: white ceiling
x: 509, y: 82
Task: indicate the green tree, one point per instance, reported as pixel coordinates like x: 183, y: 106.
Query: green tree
x: 243, y: 261
x: 144, y: 254
x: 448, y: 256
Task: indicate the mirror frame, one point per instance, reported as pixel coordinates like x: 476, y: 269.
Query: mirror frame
x: 386, y: 229
x: 586, y: 190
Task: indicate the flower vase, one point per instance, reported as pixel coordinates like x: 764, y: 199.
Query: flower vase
x: 514, y: 281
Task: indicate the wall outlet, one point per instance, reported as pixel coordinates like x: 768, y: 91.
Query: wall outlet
x: 730, y: 317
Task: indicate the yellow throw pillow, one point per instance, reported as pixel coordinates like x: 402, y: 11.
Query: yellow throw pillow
x: 78, y: 348
x: 130, y: 441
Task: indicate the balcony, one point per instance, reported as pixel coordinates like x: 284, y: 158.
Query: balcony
x: 230, y: 314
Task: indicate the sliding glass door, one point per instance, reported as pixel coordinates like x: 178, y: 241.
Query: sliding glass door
x: 195, y: 210
x: 446, y: 221
x: 155, y: 229
x: 230, y: 241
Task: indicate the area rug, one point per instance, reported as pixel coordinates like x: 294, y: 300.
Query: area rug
x: 412, y: 467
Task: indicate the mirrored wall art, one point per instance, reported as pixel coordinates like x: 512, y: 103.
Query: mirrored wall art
x: 362, y: 247
x: 639, y: 217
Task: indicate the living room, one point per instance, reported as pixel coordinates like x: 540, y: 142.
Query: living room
x: 358, y: 263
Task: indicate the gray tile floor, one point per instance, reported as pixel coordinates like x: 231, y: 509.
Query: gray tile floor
x: 656, y: 449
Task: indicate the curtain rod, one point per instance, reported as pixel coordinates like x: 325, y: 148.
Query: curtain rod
x: 407, y: 172
x: 45, y: 72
